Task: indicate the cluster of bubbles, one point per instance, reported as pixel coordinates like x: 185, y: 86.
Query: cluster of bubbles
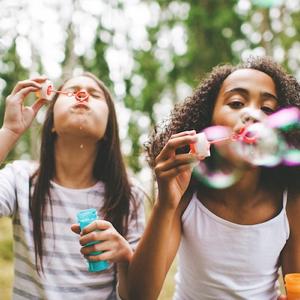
x: 259, y: 144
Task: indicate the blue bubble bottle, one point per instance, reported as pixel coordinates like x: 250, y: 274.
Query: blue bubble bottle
x: 84, y: 218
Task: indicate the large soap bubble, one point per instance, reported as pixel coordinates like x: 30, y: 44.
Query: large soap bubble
x: 287, y: 122
x: 260, y: 145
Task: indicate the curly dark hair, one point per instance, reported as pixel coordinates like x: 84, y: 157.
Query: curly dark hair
x: 195, y: 112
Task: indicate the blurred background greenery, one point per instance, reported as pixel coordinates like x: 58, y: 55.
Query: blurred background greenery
x: 151, y: 54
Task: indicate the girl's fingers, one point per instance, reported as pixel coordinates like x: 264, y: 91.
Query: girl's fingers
x: 75, y: 228
x: 178, y: 160
x: 21, y: 95
x: 36, y: 106
x: 101, y: 246
x: 176, y: 171
x: 174, y: 143
x: 183, y: 133
x: 23, y: 84
x: 96, y: 225
x: 107, y: 255
x: 99, y: 235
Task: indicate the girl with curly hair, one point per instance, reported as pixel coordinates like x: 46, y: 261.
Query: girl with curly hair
x: 80, y: 167
x: 231, y: 241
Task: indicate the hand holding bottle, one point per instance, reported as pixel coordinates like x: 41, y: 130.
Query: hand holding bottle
x: 101, y: 242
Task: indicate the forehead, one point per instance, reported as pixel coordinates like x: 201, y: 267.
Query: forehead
x: 82, y: 82
x: 249, y: 78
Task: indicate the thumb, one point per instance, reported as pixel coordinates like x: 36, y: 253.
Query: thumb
x: 75, y: 228
x: 37, y: 105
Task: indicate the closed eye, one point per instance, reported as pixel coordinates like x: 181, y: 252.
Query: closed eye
x: 97, y: 95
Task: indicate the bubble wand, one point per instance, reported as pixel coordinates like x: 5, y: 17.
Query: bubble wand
x: 48, y: 88
x: 202, y: 145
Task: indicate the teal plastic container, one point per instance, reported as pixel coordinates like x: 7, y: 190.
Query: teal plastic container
x: 84, y: 218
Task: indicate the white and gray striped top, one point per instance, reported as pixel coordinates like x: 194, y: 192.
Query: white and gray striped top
x: 66, y: 276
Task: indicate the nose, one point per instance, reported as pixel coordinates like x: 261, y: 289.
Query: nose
x: 250, y: 116
x: 82, y: 95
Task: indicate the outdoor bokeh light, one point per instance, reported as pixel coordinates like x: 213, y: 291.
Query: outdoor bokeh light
x: 151, y: 55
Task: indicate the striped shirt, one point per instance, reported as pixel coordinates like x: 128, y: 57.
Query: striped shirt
x: 65, y: 270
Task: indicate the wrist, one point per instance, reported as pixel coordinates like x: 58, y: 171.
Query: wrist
x: 126, y: 256
x: 126, y: 260
x: 163, y: 203
x: 10, y: 134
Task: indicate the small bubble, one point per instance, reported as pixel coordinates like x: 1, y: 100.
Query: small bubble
x: 81, y: 146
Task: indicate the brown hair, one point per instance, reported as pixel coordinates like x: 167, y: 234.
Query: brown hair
x: 109, y: 168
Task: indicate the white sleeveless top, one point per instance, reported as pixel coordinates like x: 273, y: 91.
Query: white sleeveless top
x: 222, y: 260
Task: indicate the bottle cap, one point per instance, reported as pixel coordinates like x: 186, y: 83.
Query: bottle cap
x: 292, y: 282
x: 202, y: 146
x: 46, y: 90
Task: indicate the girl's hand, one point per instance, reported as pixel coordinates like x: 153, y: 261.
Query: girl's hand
x: 282, y: 297
x: 17, y: 117
x: 114, y: 246
x: 173, y: 171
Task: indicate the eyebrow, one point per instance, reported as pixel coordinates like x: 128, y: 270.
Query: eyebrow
x: 246, y: 92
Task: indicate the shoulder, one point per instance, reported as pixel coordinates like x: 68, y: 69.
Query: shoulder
x: 21, y: 167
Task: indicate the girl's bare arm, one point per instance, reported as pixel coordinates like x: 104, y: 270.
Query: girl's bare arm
x: 159, y: 244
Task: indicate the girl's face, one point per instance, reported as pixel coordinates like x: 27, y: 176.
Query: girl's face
x: 81, y: 118
x: 246, y: 96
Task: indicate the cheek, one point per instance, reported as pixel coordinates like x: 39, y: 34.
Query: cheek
x: 101, y: 118
x: 60, y: 115
x: 224, y: 116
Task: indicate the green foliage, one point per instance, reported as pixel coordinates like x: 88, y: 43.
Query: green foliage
x: 209, y: 28
x: 133, y: 159
x: 204, y: 27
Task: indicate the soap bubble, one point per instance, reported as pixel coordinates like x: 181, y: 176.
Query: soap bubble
x: 291, y: 157
x: 286, y: 122
x: 284, y: 119
x: 260, y: 145
x: 216, y: 172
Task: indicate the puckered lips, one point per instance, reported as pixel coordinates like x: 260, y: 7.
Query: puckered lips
x: 81, y: 106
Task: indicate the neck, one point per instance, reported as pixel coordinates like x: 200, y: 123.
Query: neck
x: 242, y: 191
x: 74, y: 162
